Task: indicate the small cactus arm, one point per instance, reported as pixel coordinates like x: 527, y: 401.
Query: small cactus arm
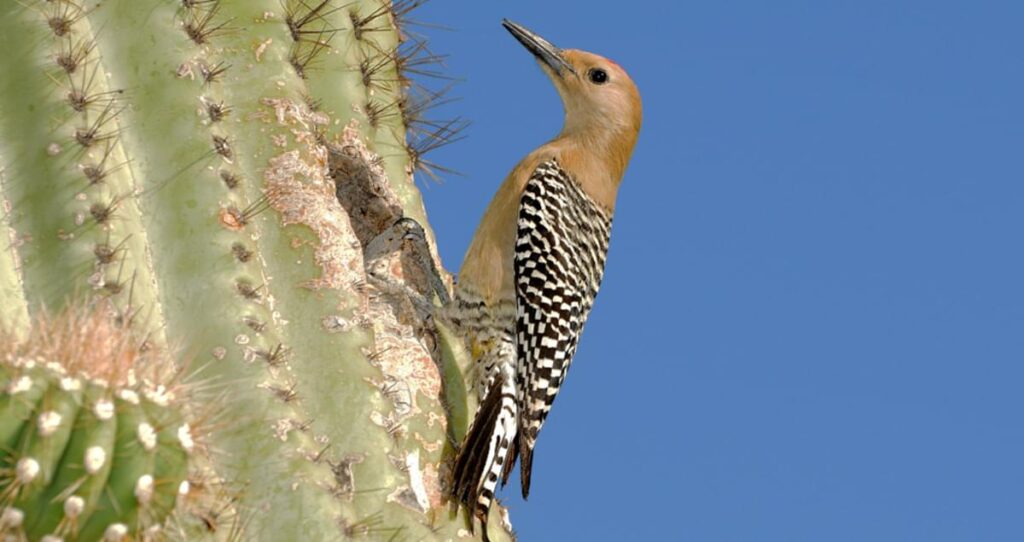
x: 95, y: 432
x: 228, y: 184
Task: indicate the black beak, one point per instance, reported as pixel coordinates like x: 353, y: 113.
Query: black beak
x: 540, y: 47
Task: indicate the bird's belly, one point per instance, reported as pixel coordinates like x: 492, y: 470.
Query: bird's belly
x: 489, y: 332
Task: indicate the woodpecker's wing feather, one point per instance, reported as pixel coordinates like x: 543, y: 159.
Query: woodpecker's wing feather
x: 561, y: 245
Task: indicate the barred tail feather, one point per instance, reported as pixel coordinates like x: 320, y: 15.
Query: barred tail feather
x: 513, y: 454
x: 469, y: 463
x: 525, y: 465
x: 485, y: 451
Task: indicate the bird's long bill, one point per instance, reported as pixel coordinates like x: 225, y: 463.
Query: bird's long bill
x: 540, y: 47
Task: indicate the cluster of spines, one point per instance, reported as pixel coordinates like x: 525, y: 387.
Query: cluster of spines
x: 398, y: 79
x: 92, y: 112
x: 418, y: 72
x: 202, y: 23
x: 84, y: 459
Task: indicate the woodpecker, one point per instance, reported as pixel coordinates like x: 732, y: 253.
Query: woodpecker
x: 534, y: 267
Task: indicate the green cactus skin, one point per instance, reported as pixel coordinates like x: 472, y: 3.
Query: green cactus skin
x: 85, y: 471
x: 22, y: 392
x: 185, y: 160
x: 45, y: 436
x: 87, y: 459
x: 133, y: 457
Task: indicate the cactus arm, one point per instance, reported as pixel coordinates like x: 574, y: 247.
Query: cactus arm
x: 212, y: 294
x: 68, y: 182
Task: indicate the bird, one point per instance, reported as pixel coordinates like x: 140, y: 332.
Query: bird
x: 534, y: 266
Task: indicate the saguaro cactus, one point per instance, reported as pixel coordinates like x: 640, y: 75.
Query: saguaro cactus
x: 225, y: 186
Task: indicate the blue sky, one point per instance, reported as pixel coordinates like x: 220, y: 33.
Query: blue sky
x: 811, y: 323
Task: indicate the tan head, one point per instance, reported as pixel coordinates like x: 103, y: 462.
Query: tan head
x: 602, y: 105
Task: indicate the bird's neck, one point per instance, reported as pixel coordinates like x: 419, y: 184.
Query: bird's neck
x: 597, y: 156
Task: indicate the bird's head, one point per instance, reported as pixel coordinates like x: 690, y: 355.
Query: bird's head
x: 596, y: 92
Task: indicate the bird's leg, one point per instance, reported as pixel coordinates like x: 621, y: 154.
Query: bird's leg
x: 403, y: 251
x: 399, y: 264
x: 415, y: 238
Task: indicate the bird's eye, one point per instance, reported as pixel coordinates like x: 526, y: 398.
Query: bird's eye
x: 598, y: 76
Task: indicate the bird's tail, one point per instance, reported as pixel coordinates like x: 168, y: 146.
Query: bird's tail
x: 485, y: 454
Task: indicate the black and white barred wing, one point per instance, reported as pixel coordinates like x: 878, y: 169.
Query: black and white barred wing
x: 561, y: 245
